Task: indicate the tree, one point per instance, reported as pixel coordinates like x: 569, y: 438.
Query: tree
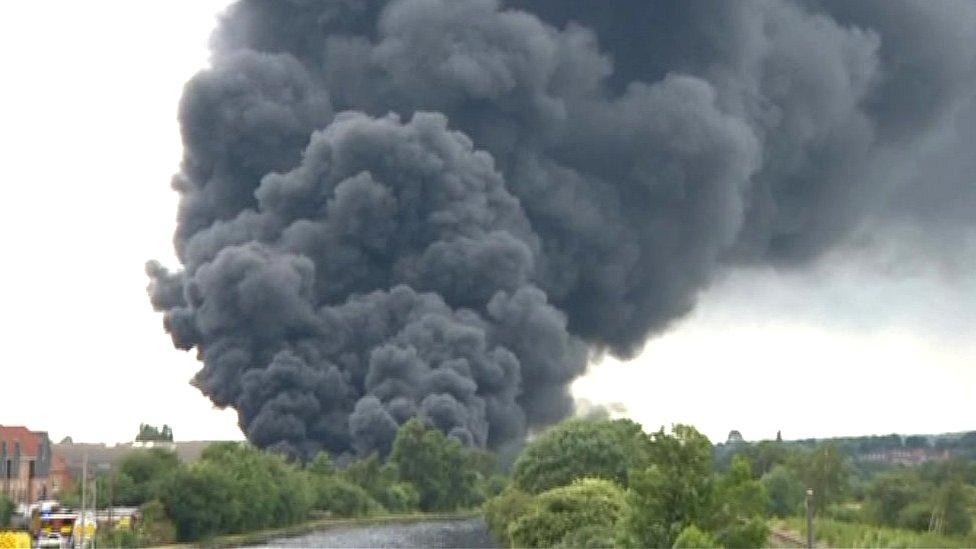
x: 149, y: 433
x: 504, y: 509
x: 342, y: 498
x: 785, y: 490
x: 6, y: 510
x: 826, y: 472
x: 673, y: 492
x: 437, y: 466
x: 739, y: 503
x: 583, y: 514
x: 890, y: 492
x: 321, y: 465
x: 148, y: 471
x: 693, y: 538
x: 154, y: 527
x: 950, y: 513
x: 202, y: 501
x: 582, y: 448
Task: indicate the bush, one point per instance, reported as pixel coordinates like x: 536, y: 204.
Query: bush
x: 440, y: 468
x: 915, y: 516
x: 202, y: 501
x: 586, y: 509
x: 401, y: 497
x: 785, y: 490
x: 503, y: 510
x: 342, y: 498
x: 6, y: 510
x: 691, y: 538
x: 581, y: 448
x: 753, y: 532
x: 154, y: 527
x: 673, y: 493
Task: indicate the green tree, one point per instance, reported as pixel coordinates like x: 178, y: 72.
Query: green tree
x: 6, y: 510
x: 321, y: 465
x: 890, y: 492
x: 583, y: 514
x: 342, y: 498
x: 739, y: 503
x: 950, y: 513
x: 149, y: 433
x: 437, y: 466
x: 504, y: 509
x: 694, y: 538
x: 148, y: 471
x: 785, y: 490
x: 154, y: 527
x: 673, y: 492
x: 202, y: 501
x: 582, y: 448
x: 826, y: 471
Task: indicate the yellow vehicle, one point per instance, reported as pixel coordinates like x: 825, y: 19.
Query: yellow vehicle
x: 10, y: 539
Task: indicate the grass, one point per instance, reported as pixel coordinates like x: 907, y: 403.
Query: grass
x: 834, y: 533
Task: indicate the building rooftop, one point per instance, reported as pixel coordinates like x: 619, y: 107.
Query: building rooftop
x: 29, y: 440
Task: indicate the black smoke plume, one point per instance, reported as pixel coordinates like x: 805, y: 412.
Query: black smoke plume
x: 442, y: 208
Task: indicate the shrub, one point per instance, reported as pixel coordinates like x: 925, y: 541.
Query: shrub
x: 691, y: 537
x: 785, y: 490
x: 154, y: 527
x: 588, y: 509
x: 504, y: 509
x: 343, y: 498
x: 753, y: 532
x: 581, y: 448
x: 401, y: 497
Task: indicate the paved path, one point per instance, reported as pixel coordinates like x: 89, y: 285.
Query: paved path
x: 470, y: 532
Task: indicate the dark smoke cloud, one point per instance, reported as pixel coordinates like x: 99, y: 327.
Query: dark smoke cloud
x: 509, y: 187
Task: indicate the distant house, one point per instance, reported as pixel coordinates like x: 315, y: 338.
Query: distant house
x: 29, y: 470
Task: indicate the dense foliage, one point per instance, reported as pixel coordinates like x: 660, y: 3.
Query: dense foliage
x: 607, y: 483
x: 6, y: 509
x: 879, y: 486
x: 582, y: 514
x: 578, y: 448
x: 234, y: 487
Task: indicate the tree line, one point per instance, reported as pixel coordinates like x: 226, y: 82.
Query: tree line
x: 235, y: 487
x: 605, y: 483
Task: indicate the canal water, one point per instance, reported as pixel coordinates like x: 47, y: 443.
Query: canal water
x: 470, y: 532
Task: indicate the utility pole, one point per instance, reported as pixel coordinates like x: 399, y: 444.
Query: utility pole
x: 809, y: 506
x: 94, y: 510
x: 81, y: 518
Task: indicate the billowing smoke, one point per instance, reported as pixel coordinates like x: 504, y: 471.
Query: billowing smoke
x: 442, y: 208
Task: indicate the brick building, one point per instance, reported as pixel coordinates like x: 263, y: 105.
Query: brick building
x: 29, y: 470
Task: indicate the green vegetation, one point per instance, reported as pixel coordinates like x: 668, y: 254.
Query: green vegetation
x: 836, y: 533
x: 6, y: 510
x: 236, y: 488
x: 582, y: 483
x: 444, y: 473
x: 149, y: 433
x: 607, y: 483
x: 583, y: 514
x: 579, y: 448
x: 866, y: 498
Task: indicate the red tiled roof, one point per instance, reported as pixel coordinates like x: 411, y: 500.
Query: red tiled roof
x: 28, y: 441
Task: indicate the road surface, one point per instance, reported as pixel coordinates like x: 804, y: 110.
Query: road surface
x: 468, y: 532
